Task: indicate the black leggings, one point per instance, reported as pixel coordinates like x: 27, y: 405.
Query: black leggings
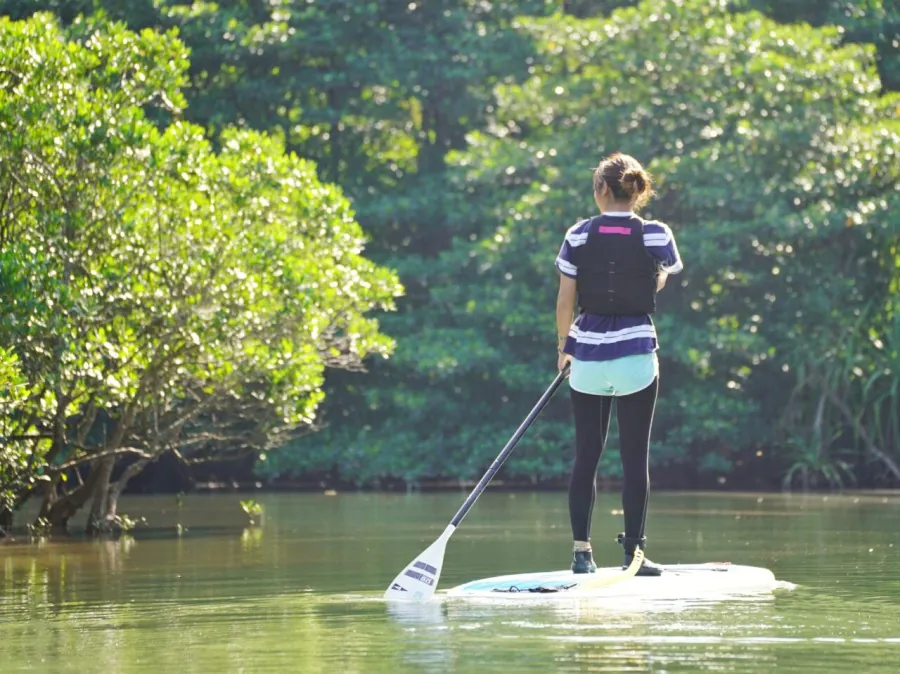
x: 635, y: 416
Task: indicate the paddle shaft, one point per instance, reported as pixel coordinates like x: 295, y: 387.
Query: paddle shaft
x: 507, y: 450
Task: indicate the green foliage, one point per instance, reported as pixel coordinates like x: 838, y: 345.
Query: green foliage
x: 809, y: 467
x: 464, y: 133
x: 778, y: 175
x: 864, y: 21
x: 39, y: 529
x: 19, y: 454
x: 123, y: 523
x: 253, y: 510
x: 159, y: 295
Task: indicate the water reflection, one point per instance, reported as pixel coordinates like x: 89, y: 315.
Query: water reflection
x: 428, y: 642
x: 303, y: 591
x: 585, y: 633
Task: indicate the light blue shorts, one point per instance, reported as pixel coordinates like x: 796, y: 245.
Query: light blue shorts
x: 619, y: 377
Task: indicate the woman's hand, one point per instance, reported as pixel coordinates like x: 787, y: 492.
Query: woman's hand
x: 563, y: 360
x: 661, y: 280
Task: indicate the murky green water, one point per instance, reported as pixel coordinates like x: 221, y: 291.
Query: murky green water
x: 302, y: 592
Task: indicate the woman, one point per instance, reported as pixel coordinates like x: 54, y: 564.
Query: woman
x: 614, y: 263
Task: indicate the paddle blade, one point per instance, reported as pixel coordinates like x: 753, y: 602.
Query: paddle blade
x: 418, y: 581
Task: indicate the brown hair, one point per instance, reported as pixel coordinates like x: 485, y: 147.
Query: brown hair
x: 626, y: 178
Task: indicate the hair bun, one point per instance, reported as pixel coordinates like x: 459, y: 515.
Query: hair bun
x: 625, y: 179
x: 634, y: 182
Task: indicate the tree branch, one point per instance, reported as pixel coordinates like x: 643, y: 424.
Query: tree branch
x: 99, y: 455
x: 207, y: 459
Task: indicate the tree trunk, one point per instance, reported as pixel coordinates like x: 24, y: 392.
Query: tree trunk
x: 334, y: 136
x: 6, y: 522
x: 57, y: 510
x: 106, y: 495
x: 432, y: 149
x: 98, y: 522
x: 817, y: 425
x: 116, y: 488
x: 49, y: 496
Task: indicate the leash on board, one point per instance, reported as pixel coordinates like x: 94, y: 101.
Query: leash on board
x: 418, y: 581
x: 630, y: 572
x: 588, y: 583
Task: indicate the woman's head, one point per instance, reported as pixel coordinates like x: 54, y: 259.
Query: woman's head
x: 620, y: 182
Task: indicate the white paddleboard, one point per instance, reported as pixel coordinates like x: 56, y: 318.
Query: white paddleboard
x: 679, y: 581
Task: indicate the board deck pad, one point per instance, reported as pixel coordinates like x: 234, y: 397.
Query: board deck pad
x: 679, y: 581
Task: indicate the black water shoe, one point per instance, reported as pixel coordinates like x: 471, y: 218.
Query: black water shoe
x: 583, y: 562
x: 648, y: 568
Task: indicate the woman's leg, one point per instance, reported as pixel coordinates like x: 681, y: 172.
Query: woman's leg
x: 635, y: 415
x: 591, y: 424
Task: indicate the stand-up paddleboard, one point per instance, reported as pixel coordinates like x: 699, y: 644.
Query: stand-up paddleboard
x: 679, y: 581
x: 419, y: 579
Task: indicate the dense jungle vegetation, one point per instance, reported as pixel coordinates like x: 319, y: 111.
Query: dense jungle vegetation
x: 207, y: 208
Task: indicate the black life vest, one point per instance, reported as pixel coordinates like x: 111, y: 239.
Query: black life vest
x: 616, y: 275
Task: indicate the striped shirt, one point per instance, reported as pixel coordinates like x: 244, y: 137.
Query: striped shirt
x: 606, y: 337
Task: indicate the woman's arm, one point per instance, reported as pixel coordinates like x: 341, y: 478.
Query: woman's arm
x: 565, y: 312
x: 565, y: 306
x: 660, y: 244
x: 565, y: 301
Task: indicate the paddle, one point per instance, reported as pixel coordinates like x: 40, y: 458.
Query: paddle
x: 418, y: 581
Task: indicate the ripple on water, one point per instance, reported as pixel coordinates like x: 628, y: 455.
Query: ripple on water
x: 304, y: 592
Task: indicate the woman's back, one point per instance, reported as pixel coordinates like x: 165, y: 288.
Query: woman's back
x: 599, y: 336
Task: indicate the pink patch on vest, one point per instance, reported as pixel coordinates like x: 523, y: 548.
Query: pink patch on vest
x: 614, y: 230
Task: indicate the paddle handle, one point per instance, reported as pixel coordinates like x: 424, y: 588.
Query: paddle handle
x: 507, y: 450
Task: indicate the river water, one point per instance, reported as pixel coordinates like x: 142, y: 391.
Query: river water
x: 301, y: 591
